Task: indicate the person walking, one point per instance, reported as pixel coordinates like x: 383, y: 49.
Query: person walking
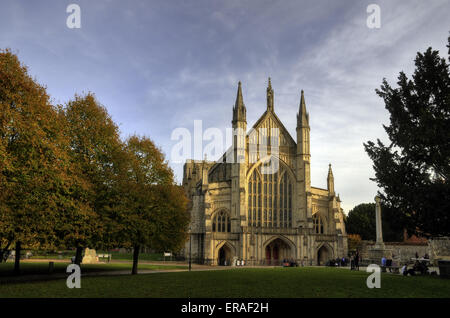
x: 357, y: 260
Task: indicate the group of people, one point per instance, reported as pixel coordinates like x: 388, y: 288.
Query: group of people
x: 420, y: 266
x: 289, y: 262
x: 424, y: 257
x: 338, y: 262
x: 344, y: 261
x: 354, y: 261
x: 386, y: 262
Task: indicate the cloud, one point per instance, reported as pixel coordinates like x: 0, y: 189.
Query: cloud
x: 160, y: 65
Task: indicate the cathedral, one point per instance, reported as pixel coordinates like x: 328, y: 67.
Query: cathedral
x: 256, y: 205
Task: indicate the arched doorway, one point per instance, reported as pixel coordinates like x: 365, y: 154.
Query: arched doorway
x: 268, y: 253
x: 323, y: 255
x: 224, y: 256
x: 277, y: 251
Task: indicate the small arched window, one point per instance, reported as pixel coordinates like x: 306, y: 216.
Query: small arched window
x: 221, y: 222
x: 318, y: 224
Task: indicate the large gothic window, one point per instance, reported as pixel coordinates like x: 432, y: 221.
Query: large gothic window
x: 221, y: 222
x: 270, y: 199
x: 318, y: 224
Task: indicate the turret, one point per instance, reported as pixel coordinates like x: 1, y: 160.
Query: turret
x: 303, y: 166
x: 239, y: 127
x: 303, y: 130
x: 205, y: 169
x: 238, y: 168
x: 302, y: 116
x: 330, y: 181
x: 269, y: 97
x: 239, y: 110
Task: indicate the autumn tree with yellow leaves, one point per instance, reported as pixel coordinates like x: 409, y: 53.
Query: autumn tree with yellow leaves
x: 40, y: 188
x: 151, y: 209
x: 67, y: 180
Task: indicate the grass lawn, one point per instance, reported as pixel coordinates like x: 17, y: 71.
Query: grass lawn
x: 246, y: 282
x: 34, y: 268
x: 115, y: 255
x: 142, y: 256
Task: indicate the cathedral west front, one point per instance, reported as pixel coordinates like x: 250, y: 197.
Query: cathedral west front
x: 257, y: 204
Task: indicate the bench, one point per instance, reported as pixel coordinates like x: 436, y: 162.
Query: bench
x: 108, y: 256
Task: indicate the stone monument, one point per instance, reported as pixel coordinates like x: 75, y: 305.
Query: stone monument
x: 379, y: 227
x: 90, y: 256
x: 379, y: 250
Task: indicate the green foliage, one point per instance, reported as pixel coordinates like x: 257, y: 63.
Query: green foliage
x: 414, y: 169
x: 151, y: 210
x: 361, y: 221
x: 94, y: 145
x: 68, y: 180
x: 37, y: 181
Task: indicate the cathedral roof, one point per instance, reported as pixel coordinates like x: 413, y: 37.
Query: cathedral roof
x: 279, y: 123
x: 239, y: 114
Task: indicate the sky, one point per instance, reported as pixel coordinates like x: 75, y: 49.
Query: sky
x: 160, y: 65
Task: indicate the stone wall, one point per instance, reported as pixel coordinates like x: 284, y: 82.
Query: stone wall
x: 436, y: 248
x: 440, y: 248
x: 405, y: 251
x: 400, y: 251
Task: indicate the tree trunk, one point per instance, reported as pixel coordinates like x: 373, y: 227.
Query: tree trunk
x: 3, y: 251
x: 17, y: 258
x: 78, y: 255
x: 135, y: 259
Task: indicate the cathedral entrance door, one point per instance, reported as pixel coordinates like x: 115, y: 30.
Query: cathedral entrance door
x: 323, y: 255
x: 276, y: 251
x: 268, y: 255
x: 224, y: 256
x: 275, y: 254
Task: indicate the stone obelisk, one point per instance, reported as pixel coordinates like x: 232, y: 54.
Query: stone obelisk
x: 379, y: 243
x: 379, y: 250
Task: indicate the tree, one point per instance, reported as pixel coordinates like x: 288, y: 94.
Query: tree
x: 94, y: 145
x: 361, y: 221
x: 38, y: 186
x: 66, y: 178
x: 151, y: 209
x: 414, y: 169
x: 171, y: 218
x: 6, y: 224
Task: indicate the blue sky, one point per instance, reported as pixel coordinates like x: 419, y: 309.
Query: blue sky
x: 159, y: 65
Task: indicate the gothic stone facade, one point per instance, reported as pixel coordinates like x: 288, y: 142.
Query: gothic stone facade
x: 248, y: 210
